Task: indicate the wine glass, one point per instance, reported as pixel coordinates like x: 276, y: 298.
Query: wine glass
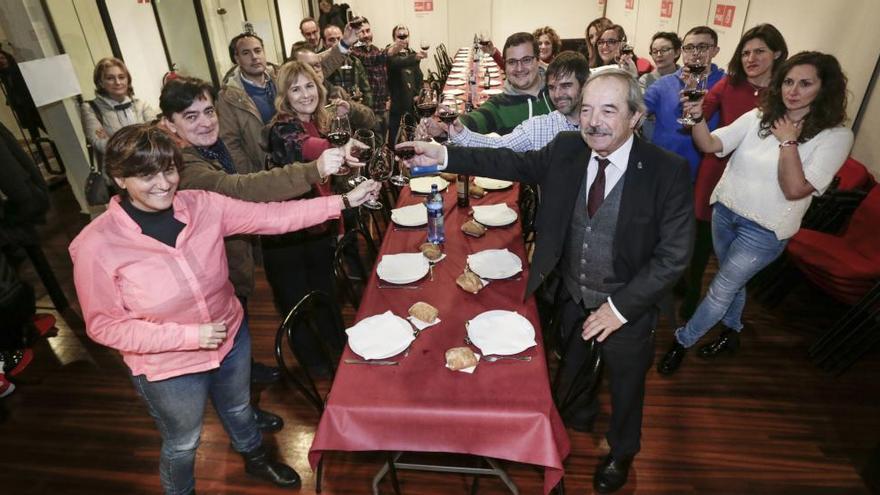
x: 364, y: 155
x: 426, y: 103
x: 339, y: 135
x: 448, y: 112
x: 695, y: 88
x: 425, y: 45
x: 404, y: 133
x: 380, y: 166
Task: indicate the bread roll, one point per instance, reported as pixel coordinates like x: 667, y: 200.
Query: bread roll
x: 459, y: 358
x: 448, y: 176
x: 469, y: 281
x: 476, y: 191
x: 431, y: 251
x: 473, y: 228
x: 424, y: 312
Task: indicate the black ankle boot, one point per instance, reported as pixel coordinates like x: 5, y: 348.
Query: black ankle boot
x: 266, y: 421
x: 672, y: 360
x: 257, y: 463
x: 728, y: 341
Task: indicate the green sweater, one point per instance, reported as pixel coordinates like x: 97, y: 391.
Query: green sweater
x: 502, y: 113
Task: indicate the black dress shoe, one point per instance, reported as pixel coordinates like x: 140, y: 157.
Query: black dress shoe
x: 728, y: 341
x: 257, y: 463
x: 611, y: 474
x: 267, y: 421
x: 262, y: 374
x: 672, y: 360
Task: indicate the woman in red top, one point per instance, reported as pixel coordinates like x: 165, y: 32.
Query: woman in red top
x: 760, y: 52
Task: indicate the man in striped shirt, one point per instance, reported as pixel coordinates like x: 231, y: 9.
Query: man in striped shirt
x: 565, y: 77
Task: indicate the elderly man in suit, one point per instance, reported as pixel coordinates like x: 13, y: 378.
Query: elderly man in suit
x: 617, y: 222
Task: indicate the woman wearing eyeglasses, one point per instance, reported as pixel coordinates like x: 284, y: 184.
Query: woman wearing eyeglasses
x: 404, y: 77
x: 665, y: 51
x: 781, y: 155
x: 608, y: 47
x: 760, y: 52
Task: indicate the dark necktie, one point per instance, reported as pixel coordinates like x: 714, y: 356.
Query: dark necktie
x: 122, y: 106
x: 597, y: 189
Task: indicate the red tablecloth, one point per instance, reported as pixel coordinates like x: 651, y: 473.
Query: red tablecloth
x: 504, y: 410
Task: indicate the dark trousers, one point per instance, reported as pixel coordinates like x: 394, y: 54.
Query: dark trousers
x: 296, y: 264
x: 693, y: 276
x: 627, y: 355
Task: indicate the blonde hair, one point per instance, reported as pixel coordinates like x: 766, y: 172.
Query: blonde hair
x: 102, y: 66
x: 287, y: 75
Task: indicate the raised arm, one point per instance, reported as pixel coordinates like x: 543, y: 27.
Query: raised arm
x: 703, y: 139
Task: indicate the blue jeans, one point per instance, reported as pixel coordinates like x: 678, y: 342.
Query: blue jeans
x: 743, y: 249
x: 178, y: 405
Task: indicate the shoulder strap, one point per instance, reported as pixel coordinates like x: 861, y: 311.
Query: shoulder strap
x: 97, y: 111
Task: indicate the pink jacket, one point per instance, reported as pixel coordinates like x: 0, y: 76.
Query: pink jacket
x: 147, y: 299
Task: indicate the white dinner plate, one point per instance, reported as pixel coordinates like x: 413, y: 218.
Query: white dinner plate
x: 494, y: 264
x: 492, y: 82
x: 501, y: 332
x: 492, y: 184
x: 402, y: 268
x: 422, y: 185
x: 454, y: 91
x: 410, y: 216
x: 495, y: 215
x: 459, y: 64
x: 380, y: 336
x: 456, y: 82
x: 493, y: 91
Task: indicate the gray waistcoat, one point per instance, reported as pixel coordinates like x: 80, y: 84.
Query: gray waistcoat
x: 588, y: 258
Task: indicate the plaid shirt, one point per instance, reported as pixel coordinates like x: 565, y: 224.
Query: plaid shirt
x: 533, y: 134
x: 374, y: 61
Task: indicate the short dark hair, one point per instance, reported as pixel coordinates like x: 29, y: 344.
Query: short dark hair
x: 702, y: 30
x: 178, y: 94
x: 517, y: 39
x: 307, y: 19
x: 141, y: 150
x: 328, y: 26
x: 233, y: 43
x: 770, y: 36
x: 300, y: 46
x: 569, y: 62
x: 670, y: 37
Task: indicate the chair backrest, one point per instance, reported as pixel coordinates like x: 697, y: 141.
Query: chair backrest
x: 317, y: 317
x: 353, y: 262
x: 861, y: 233
x: 854, y: 175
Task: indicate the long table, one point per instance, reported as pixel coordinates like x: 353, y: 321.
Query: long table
x: 504, y: 410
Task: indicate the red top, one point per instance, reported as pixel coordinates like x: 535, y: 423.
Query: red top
x: 732, y: 101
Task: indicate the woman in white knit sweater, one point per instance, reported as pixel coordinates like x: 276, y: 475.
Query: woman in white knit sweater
x: 783, y: 153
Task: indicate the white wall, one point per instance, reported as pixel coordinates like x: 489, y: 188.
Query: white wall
x: 184, y: 43
x: 291, y: 12
x: 83, y: 38
x: 141, y: 48
x: 262, y: 14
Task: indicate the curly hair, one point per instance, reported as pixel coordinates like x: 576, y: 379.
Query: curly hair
x: 826, y: 111
x: 555, y: 42
x: 287, y: 75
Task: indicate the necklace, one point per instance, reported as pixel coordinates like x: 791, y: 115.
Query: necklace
x: 756, y: 88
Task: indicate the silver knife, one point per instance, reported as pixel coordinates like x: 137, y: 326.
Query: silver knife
x: 377, y: 363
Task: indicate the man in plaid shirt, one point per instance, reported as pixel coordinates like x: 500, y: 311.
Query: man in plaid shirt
x: 375, y: 62
x: 566, y: 76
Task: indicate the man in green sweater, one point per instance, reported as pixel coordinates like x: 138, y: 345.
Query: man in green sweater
x: 524, y: 93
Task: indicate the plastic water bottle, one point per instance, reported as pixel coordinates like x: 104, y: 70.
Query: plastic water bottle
x: 434, y: 204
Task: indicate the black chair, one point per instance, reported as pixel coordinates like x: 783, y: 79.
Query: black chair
x: 310, y: 315
x: 528, y: 207
x: 352, y: 262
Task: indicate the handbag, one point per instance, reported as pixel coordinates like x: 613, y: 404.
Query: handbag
x: 97, y: 190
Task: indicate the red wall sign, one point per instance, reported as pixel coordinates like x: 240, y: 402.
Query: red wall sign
x: 630, y: 4
x: 424, y: 5
x: 724, y: 15
x: 666, y: 8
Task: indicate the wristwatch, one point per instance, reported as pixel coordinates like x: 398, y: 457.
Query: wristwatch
x: 345, y: 201
x: 697, y: 120
x: 786, y: 144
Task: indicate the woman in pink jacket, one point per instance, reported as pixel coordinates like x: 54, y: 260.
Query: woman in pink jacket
x: 151, y: 277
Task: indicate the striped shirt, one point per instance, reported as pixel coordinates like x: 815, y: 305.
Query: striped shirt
x: 533, y: 134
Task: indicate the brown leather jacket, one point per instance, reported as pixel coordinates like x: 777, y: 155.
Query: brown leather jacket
x: 277, y: 184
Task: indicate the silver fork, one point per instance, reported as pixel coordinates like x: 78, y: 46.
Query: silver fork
x: 374, y: 363
x: 492, y: 359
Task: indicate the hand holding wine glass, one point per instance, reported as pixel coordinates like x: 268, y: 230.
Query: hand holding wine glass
x: 361, y: 150
x: 365, y: 191
x: 379, y: 168
x: 405, y: 133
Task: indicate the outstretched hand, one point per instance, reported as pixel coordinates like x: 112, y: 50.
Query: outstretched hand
x: 363, y: 192
x: 426, y: 153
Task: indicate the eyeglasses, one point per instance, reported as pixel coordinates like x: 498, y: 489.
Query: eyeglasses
x: 661, y: 51
x: 402, y: 36
x: 512, y: 62
x: 702, y: 47
x: 609, y: 42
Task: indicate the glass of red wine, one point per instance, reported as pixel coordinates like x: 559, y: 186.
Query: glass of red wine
x: 404, y: 133
x: 695, y: 88
x: 339, y: 135
x: 363, y: 154
x: 447, y: 113
x: 380, y: 166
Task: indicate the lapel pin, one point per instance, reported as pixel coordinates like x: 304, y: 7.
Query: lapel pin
x: 639, y: 165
